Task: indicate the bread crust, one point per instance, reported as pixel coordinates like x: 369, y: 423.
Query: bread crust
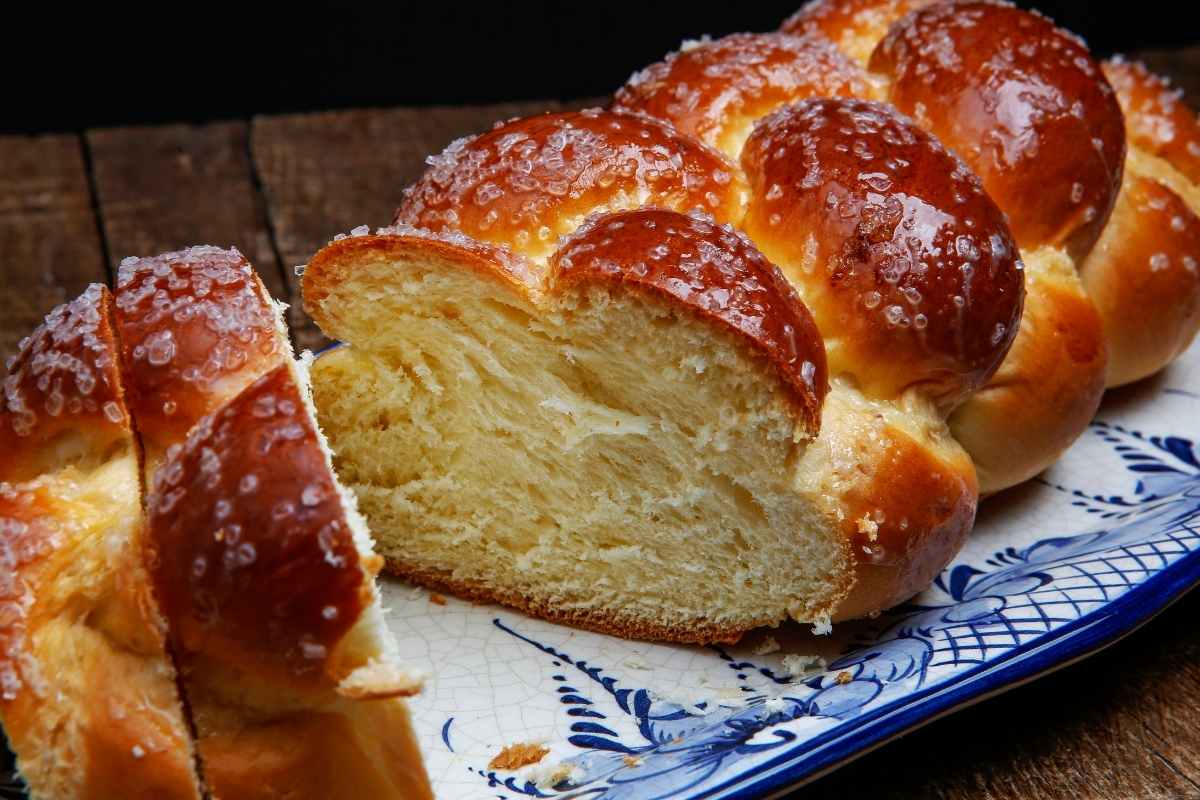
x: 196, y: 326
x: 610, y: 622
x: 253, y: 561
x: 1025, y: 105
x: 743, y: 293
x: 87, y: 691
x: 908, y: 266
x: 529, y: 181
x: 737, y: 80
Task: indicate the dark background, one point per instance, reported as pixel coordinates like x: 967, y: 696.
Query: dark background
x: 77, y: 68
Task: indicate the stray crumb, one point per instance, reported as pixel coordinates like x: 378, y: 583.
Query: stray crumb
x: 775, y: 705
x: 548, y: 777
x: 635, y: 661
x: 795, y: 665
x: 822, y: 626
x: 437, y: 599
x: 516, y: 756
x: 844, y: 677
x: 632, y: 761
x: 766, y: 647
x: 868, y: 526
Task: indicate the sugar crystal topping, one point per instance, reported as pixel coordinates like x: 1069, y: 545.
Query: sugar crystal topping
x: 715, y: 86
x: 190, y: 317
x: 249, y: 492
x: 66, y: 368
x: 527, y: 182
x: 28, y: 532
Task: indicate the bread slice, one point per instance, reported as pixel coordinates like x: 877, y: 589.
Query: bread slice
x: 260, y: 561
x: 609, y: 441
x: 87, y: 691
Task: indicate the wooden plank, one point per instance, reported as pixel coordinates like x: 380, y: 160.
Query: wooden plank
x: 164, y: 188
x: 328, y: 172
x: 50, y: 247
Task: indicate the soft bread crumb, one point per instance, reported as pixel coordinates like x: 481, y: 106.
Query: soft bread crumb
x: 379, y: 680
x: 844, y: 677
x: 649, y: 463
x: 822, y: 626
x: 767, y: 646
x: 632, y: 761
x: 795, y: 664
x: 519, y: 755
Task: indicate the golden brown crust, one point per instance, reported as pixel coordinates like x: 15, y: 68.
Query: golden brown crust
x: 907, y: 265
x: 62, y: 389
x: 854, y: 25
x: 196, y: 326
x: 612, y: 622
x: 527, y: 182
x: 1023, y: 103
x: 1156, y: 117
x: 337, y: 261
x: 87, y: 693
x: 347, y: 753
x: 1144, y: 278
x: 906, y: 517
x: 1044, y: 394
x: 687, y: 260
x: 716, y: 272
x: 716, y: 91
x: 252, y: 557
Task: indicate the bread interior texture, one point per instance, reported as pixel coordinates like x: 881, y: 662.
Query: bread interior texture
x: 599, y: 456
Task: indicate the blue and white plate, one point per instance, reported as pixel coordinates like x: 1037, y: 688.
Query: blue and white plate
x: 1054, y: 571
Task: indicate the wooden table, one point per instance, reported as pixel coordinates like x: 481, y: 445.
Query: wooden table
x: 1123, y: 724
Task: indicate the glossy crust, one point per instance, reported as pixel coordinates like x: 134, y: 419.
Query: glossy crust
x: 1044, y: 393
x: 196, y: 326
x: 1147, y: 258
x: 710, y: 269
x: 62, y: 389
x: 1156, y: 117
x: 906, y: 518
x: 87, y: 692
x: 854, y: 25
x: 353, y: 754
x: 716, y: 91
x: 1024, y: 104
x: 908, y: 266
x: 253, y: 561
x: 527, y: 182
x: 685, y: 260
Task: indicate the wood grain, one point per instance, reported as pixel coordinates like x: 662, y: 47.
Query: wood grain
x: 326, y: 173
x: 50, y: 246
x: 165, y: 188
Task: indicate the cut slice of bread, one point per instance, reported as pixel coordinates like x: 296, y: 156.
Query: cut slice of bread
x: 87, y: 691
x: 203, y: 620
x: 610, y: 440
x: 260, y: 561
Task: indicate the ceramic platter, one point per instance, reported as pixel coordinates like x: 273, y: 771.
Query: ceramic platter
x: 1054, y: 570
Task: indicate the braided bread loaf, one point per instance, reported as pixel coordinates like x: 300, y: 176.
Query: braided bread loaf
x: 87, y: 691
x: 546, y: 400
x: 249, y: 558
